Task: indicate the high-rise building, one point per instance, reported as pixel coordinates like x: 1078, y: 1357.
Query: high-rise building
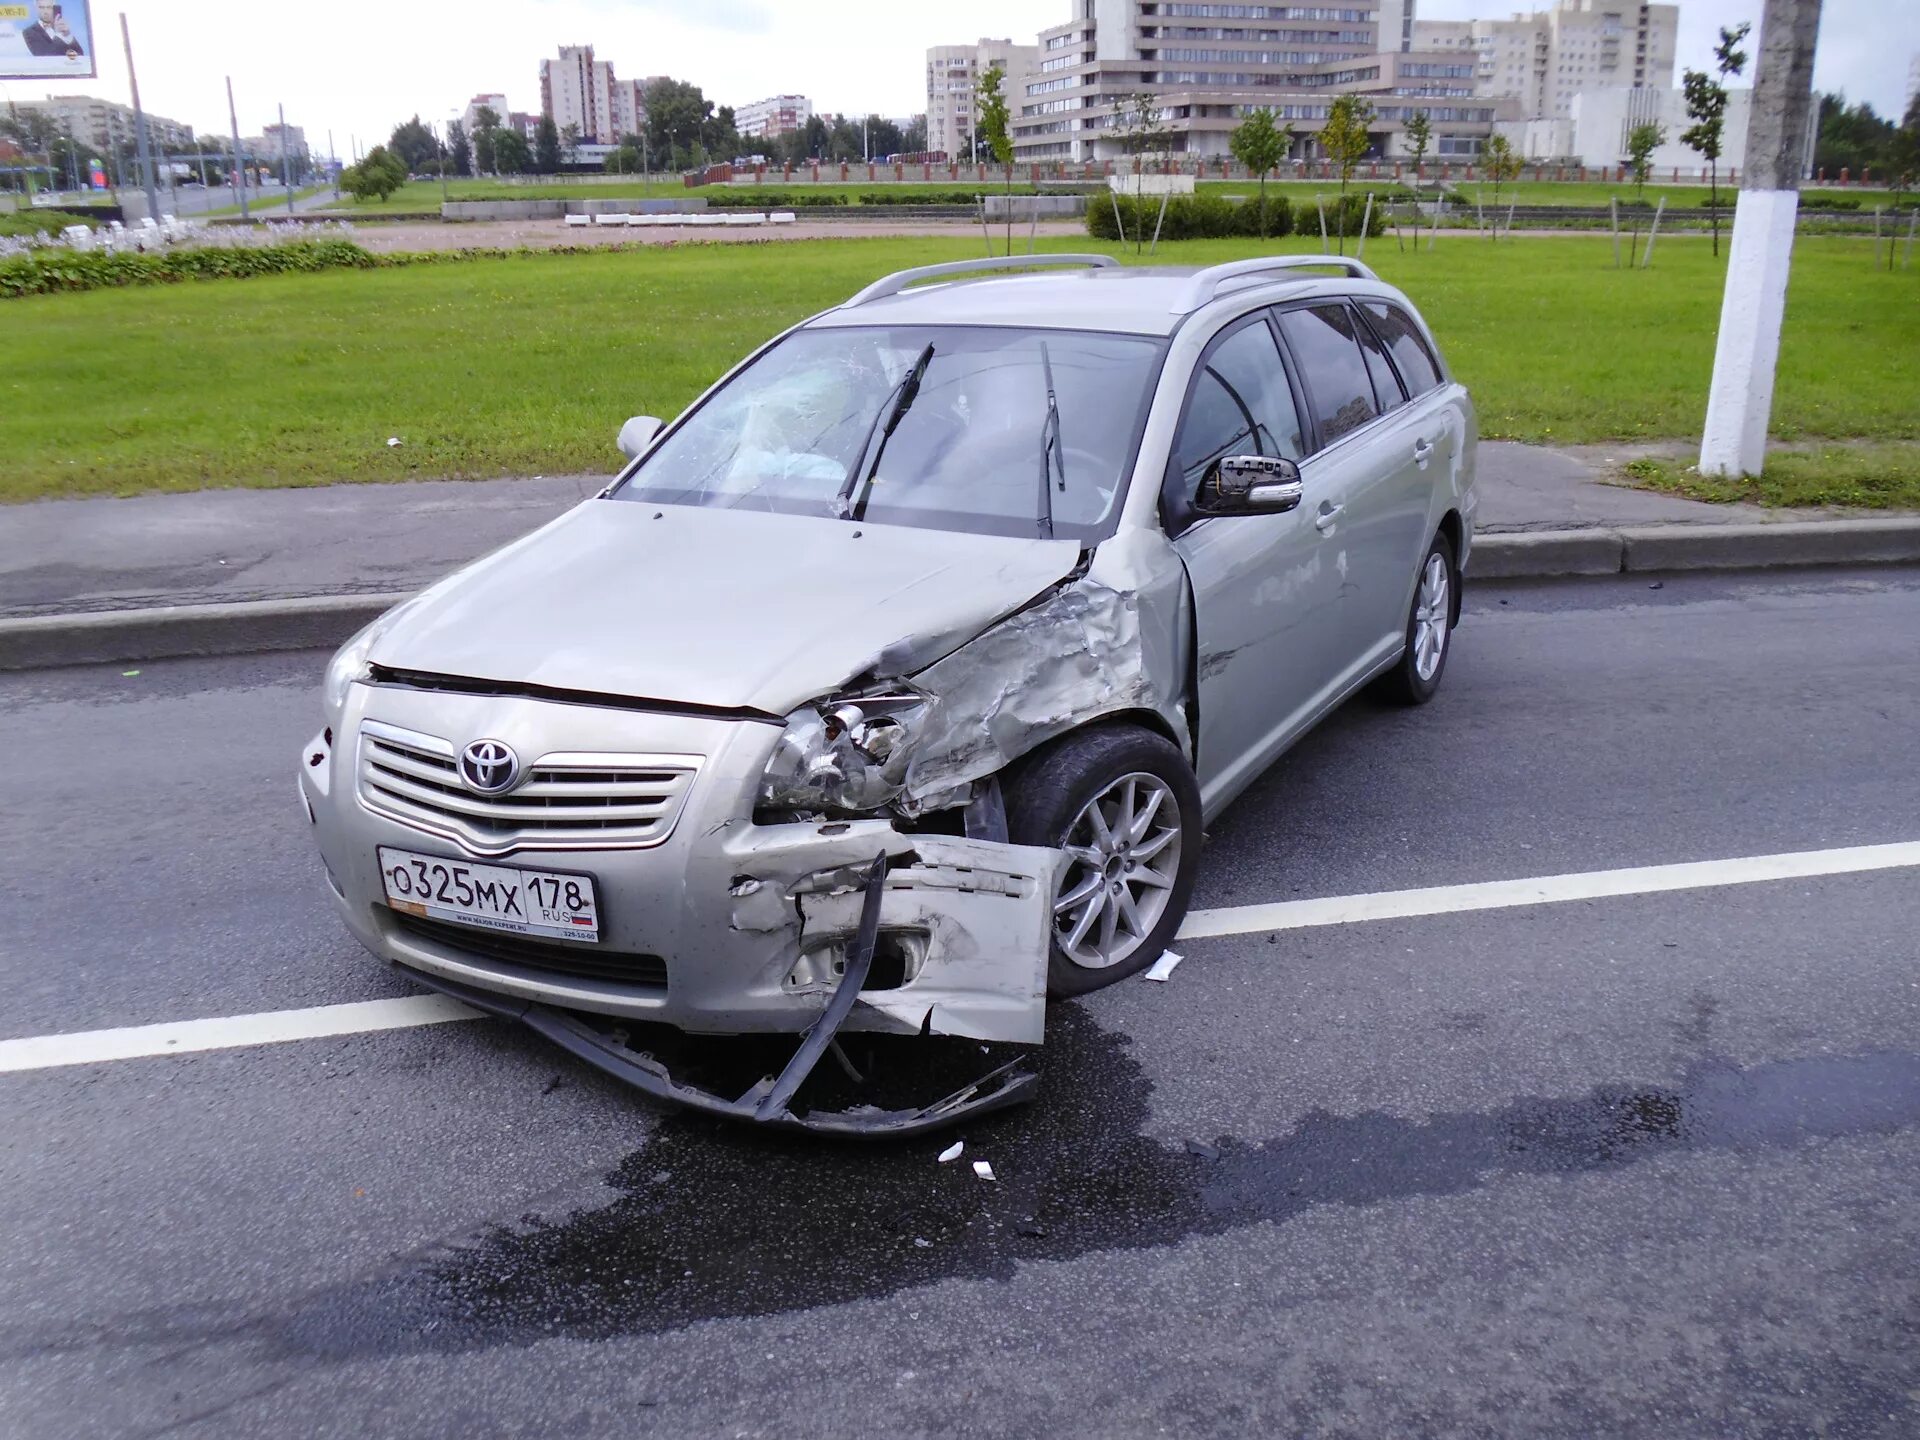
x: 107, y: 126
x: 470, y: 121
x: 577, y: 90
x: 1542, y: 60
x: 777, y: 115
x: 952, y: 73
x: 1206, y: 66
x: 629, y: 108
x: 1913, y: 82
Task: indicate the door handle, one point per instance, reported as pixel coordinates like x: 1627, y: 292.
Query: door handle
x: 1324, y: 521
x: 1422, y: 452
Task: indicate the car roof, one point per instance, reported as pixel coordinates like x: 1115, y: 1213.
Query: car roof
x: 1140, y: 300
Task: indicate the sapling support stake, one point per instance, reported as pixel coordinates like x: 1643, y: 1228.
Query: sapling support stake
x: 1160, y: 219
x: 1320, y: 203
x: 1613, y: 214
x: 1366, y: 223
x: 985, y: 229
x: 1119, y: 225
x: 1646, y: 260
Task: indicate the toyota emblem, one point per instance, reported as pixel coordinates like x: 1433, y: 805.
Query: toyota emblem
x: 489, y: 766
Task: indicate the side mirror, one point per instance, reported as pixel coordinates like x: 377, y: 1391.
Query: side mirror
x: 637, y: 434
x: 1249, y: 485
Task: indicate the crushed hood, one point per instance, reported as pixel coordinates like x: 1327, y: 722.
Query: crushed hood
x: 729, y: 608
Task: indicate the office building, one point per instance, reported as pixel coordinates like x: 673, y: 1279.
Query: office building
x: 953, y: 71
x: 1207, y: 66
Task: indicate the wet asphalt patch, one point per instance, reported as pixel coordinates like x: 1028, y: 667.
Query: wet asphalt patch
x: 719, y: 1221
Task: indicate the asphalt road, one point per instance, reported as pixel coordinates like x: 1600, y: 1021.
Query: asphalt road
x: 1638, y: 1166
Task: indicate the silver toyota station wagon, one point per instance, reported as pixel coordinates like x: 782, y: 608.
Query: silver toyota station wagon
x: 890, y: 687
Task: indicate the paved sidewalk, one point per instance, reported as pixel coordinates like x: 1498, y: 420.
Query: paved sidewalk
x: 227, y: 546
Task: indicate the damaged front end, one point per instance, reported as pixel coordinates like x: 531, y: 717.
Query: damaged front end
x: 963, y: 983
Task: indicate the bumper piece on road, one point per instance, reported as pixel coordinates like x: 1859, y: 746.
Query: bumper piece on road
x: 767, y: 1101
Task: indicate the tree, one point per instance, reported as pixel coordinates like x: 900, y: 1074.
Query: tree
x: 570, y: 143
x: 1642, y: 141
x: 1143, y: 129
x: 377, y: 176
x: 415, y: 145
x: 510, y: 153
x: 1258, y: 144
x: 992, y: 120
x: 486, y: 125
x: 913, y: 139
x: 1346, y: 140
x: 458, y: 149
x: 1707, y: 107
x: 1419, y: 136
x: 626, y: 160
x: 546, y: 147
x: 1851, y: 137
x: 676, y: 112
x: 1501, y: 163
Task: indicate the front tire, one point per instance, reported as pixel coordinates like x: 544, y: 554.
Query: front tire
x: 1429, y: 629
x: 1123, y: 803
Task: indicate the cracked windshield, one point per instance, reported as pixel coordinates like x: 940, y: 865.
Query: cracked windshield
x: 937, y: 427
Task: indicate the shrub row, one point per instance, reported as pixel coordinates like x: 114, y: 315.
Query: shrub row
x: 53, y: 271
x: 1207, y: 216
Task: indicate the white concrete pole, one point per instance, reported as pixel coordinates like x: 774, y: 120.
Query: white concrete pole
x: 1740, y: 401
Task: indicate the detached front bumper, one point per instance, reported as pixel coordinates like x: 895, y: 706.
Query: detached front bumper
x: 751, y: 926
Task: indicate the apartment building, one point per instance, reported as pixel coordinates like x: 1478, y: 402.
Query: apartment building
x: 275, y: 141
x: 777, y: 115
x: 1542, y: 61
x: 576, y: 89
x: 628, y: 101
x: 1206, y: 66
x: 470, y: 119
x: 952, y: 73
x: 107, y: 126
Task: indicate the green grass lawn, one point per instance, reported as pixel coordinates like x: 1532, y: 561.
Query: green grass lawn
x: 1877, y: 475
x: 528, y: 365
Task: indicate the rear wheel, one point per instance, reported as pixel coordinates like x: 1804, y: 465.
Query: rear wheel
x: 1429, y: 629
x: 1123, y: 804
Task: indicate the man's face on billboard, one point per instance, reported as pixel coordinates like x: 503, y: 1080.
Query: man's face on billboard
x: 49, y: 13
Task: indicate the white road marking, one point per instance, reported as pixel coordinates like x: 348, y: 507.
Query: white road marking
x: 1547, y: 890
x: 183, y: 1037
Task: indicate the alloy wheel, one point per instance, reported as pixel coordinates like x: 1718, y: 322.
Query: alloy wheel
x: 1430, y: 617
x: 1124, y: 852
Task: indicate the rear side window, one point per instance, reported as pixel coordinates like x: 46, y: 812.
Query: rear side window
x: 1417, y: 365
x: 1324, y: 342
x: 1386, y: 387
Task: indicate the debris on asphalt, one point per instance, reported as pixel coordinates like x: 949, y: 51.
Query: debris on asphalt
x: 128, y: 674
x: 1203, y: 1150
x: 922, y: 1244
x: 1029, y: 1227
x: 1658, y: 585
x: 983, y: 1170
x: 953, y: 1151
x: 1162, y: 968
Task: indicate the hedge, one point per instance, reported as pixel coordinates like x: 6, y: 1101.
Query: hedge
x: 1201, y: 216
x: 42, y: 222
x: 48, y: 272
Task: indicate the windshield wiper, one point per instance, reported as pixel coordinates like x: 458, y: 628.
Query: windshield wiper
x: 1052, y: 459
x: 902, y: 396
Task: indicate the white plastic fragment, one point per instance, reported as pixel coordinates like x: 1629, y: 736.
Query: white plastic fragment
x: 1163, y: 967
x: 983, y: 1170
x: 953, y: 1151
x: 392, y: 440
x: 922, y: 1244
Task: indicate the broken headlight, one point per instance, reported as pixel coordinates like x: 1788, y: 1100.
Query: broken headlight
x: 845, y: 755
x: 349, y: 664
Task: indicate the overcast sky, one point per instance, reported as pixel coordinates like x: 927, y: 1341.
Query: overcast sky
x: 358, y: 69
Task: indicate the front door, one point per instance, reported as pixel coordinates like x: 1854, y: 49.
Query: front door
x: 1262, y: 584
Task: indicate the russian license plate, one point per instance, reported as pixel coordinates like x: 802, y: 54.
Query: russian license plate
x: 547, y: 903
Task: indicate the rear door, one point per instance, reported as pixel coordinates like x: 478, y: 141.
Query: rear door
x: 1368, y: 475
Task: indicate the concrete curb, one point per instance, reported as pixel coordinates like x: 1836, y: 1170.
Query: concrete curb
x: 38, y: 642
x: 323, y: 621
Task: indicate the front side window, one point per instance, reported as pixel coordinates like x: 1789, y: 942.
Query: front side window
x: 1323, y: 342
x: 804, y: 430
x: 1240, y: 405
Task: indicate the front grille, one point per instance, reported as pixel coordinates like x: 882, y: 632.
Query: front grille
x: 557, y: 956
x: 565, y: 802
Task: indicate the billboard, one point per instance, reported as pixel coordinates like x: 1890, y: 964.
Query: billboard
x: 46, y: 40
